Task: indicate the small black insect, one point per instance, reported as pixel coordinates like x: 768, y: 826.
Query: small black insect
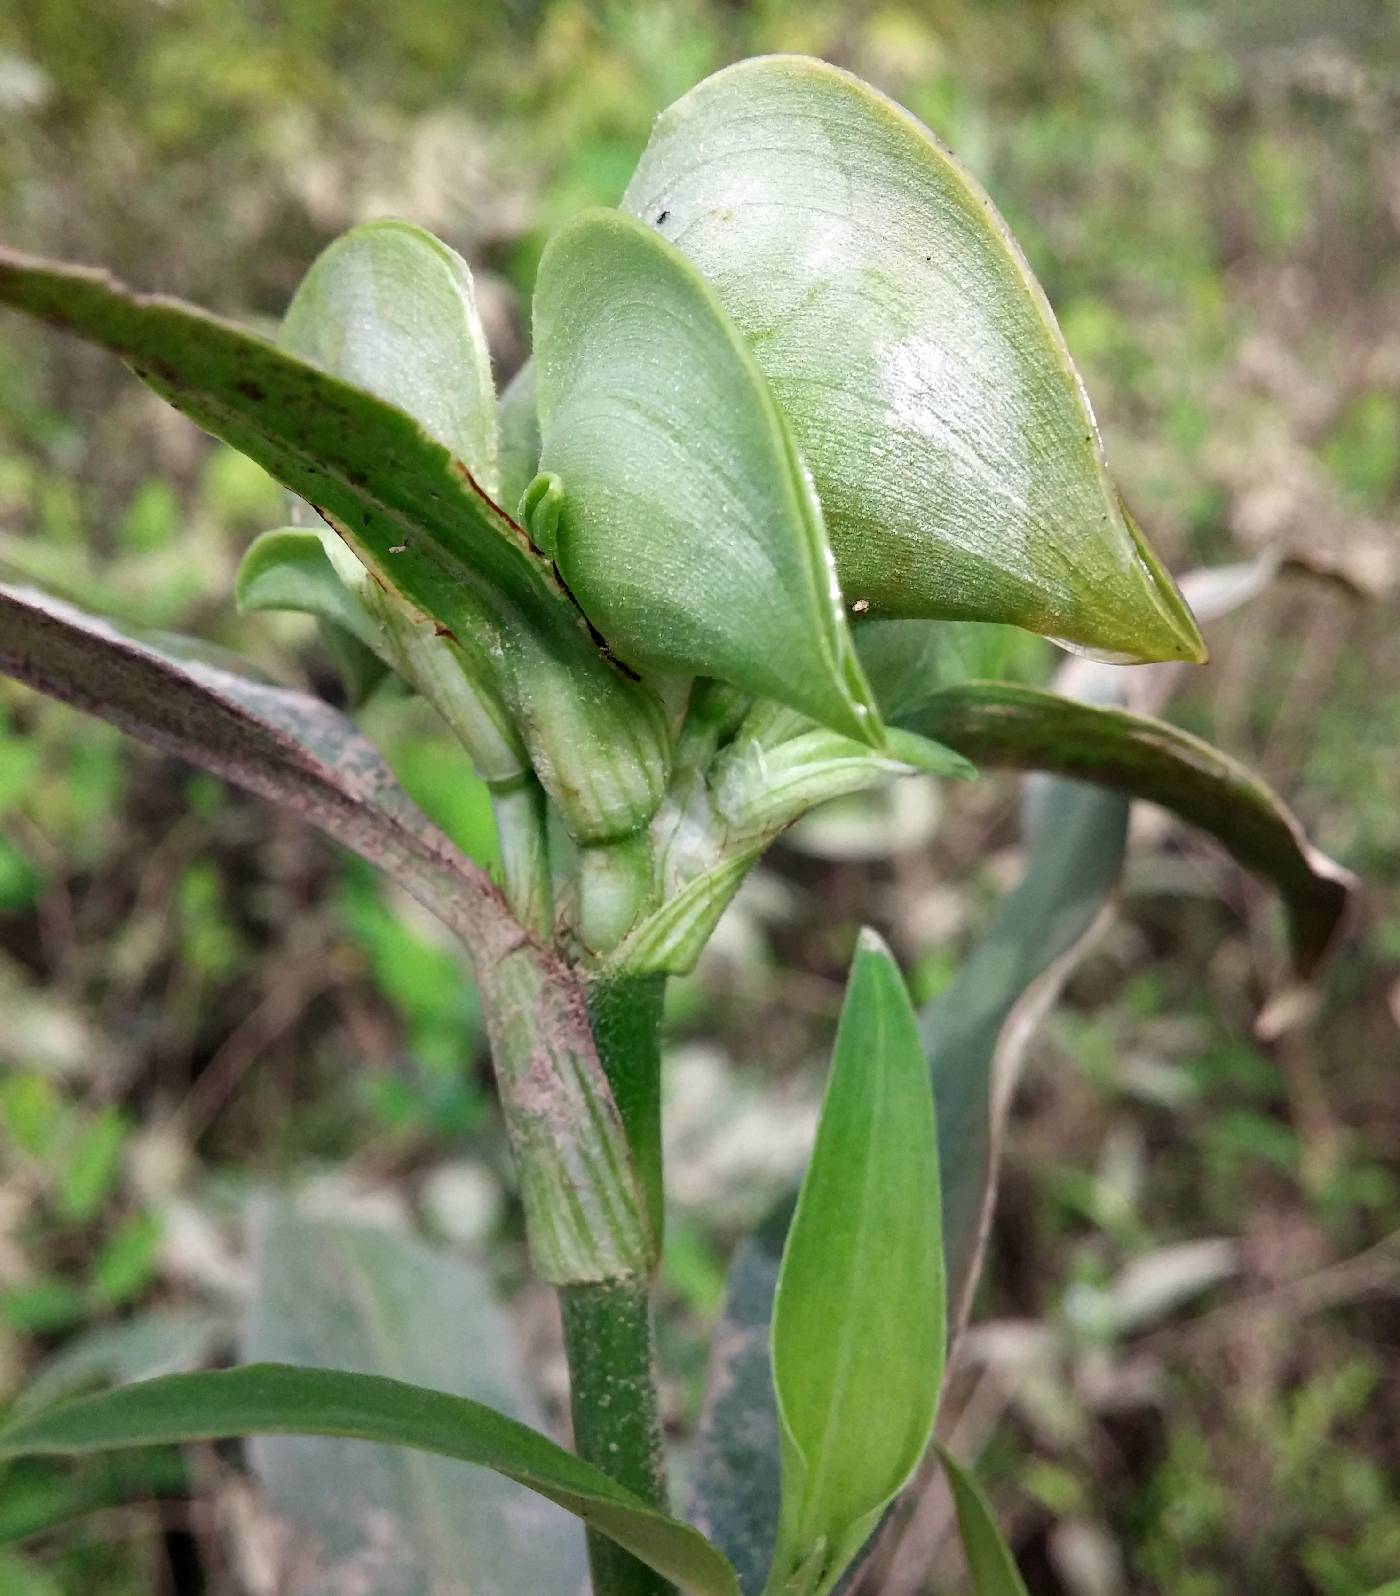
x: 662, y: 217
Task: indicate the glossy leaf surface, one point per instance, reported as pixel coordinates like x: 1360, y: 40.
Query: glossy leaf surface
x: 994, y: 723
x: 914, y: 355
x: 687, y: 527
x: 409, y: 509
x: 989, y: 1559
x: 859, y: 1316
x: 276, y: 1399
x: 326, y: 1293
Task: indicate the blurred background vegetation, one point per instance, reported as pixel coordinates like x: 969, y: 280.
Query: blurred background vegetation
x: 1187, y: 1376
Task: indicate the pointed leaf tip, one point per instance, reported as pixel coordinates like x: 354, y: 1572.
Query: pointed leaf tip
x: 687, y: 525
x: 913, y: 354
x: 859, y: 1315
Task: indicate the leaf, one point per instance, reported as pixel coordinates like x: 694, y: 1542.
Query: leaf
x: 296, y: 569
x: 409, y: 509
x: 392, y: 309
x: 976, y: 1030
x: 913, y: 354
x: 715, y: 824
x: 734, y: 1494
x: 859, y: 1315
x: 585, y: 1214
x: 687, y: 526
x: 994, y: 723
x: 289, y: 569
x: 328, y: 1293
x: 276, y: 1399
x: 277, y: 743
x: 989, y: 1559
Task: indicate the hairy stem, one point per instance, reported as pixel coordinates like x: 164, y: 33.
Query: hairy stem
x: 608, y: 1340
x: 607, y: 1325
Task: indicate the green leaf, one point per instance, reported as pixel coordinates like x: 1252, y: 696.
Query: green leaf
x: 289, y: 569
x: 859, y: 1316
x: 989, y: 1559
x: 995, y: 723
x: 276, y: 1399
x: 735, y: 1497
x: 913, y: 354
x: 328, y: 1293
x: 392, y: 309
x: 409, y: 510
x: 687, y: 526
x: 976, y: 1030
x: 310, y: 571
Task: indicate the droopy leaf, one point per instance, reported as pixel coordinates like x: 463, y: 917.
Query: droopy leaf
x: 976, y: 1029
x: 392, y: 309
x: 408, y: 508
x: 687, y: 526
x: 914, y: 355
x: 327, y: 1293
x: 277, y: 1399
x: 994, y: 723
x: 859, y: 1316
x: 277, y: 743
x: 585, y: 1214
x: 989, y: 1559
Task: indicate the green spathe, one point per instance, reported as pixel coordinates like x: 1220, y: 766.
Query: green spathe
x: 914, y: 356
x: 686, y: 524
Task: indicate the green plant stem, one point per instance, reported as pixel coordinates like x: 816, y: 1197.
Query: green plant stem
x: 612, y: 1381
x: 625, y: 1014
x: 607, y: 1325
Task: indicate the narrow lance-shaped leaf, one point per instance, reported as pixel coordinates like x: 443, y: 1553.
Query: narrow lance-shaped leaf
x: 989, y: 1559
x: 994, y: 723
x: 686, y: 524
x: 276, y: 1399
x: 585, y: 1213
x: 913, y: 354
x: 976, y: 1030
x: 409, y: 508
x: 858, y: 1320
x: 974, y: 1033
